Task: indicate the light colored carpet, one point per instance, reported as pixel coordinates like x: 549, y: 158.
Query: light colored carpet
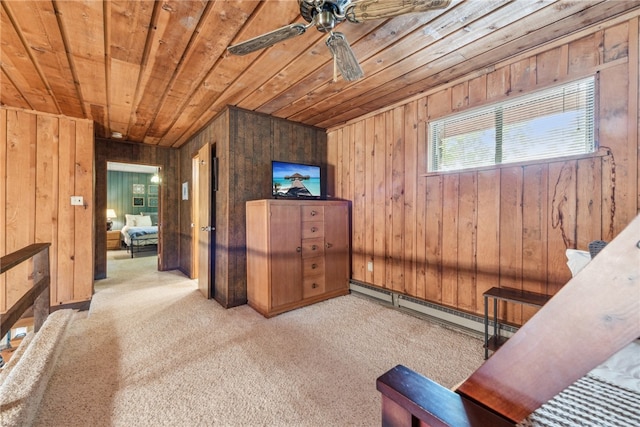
x: 153, y: 352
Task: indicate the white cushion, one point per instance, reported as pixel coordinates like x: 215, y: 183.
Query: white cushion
x: 130, y: 220
x: 577, y: 260
x: 143, y: 221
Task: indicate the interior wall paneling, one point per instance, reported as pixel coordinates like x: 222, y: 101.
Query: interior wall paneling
x: 3, y: 202
x: 44, y: 160
x: 508, y: 225
x: 246, y: 142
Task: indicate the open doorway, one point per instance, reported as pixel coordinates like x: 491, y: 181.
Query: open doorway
x: 133, y: 213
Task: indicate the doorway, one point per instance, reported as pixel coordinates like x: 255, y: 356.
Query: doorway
x: 133, y: 205
x: 203, y: 219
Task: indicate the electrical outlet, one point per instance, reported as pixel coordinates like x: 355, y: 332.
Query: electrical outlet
x: 370, y: 265
x: 76, y: 200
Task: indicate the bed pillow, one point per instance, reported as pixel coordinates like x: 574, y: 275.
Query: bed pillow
x: 143, y: 221
x: 577, y: 260
x: 130, y: 220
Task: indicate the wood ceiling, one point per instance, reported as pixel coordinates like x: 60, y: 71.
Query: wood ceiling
x: 157, y: 72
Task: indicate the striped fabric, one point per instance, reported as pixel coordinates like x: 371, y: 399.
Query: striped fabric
x: 589, y: 402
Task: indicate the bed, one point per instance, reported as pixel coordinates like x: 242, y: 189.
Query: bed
x: 140, y: 233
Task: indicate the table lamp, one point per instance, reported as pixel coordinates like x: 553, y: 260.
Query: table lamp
x: 110, y: 214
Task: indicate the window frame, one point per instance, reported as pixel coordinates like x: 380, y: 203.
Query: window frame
x: 496, y: 105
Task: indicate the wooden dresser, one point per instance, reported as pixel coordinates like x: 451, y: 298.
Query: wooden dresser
x: 113, y: 239
x: 297, y: 253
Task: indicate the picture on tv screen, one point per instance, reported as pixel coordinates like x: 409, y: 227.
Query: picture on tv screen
x: 295, y: 180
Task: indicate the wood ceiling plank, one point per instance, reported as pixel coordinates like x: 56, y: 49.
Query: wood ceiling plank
x: 208, y: 46
x: 430, y: 35
x: 39, y: 27
x: 520, y: 40
x: 83, y: 34
x: 10, y: 95
x: 129, y: 22
x: 493, y: 32
x: 201, y: 108
x: 269, y: 64
x: 130, y: 25
x: 176, y: 22
x: 451, y: 36
x: 435, y: 28
x: 124, y: 79
x: 365, y: 39
x: 20, y: 69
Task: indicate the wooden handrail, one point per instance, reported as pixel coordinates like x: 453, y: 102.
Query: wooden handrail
x: 38, y: 295
x: 411, y: 399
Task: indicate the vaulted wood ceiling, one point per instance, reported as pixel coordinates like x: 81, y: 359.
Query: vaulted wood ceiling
x: 158, y: 71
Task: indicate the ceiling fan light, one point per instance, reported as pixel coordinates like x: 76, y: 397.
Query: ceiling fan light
x: 344, y: 57
x: 325, y: 21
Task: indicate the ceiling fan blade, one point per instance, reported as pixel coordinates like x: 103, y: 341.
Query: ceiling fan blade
x: 367, y: 10
x: 344, y: 57
x: 268, y: 39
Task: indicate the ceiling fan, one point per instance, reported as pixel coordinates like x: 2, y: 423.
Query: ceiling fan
x: 326, y: 14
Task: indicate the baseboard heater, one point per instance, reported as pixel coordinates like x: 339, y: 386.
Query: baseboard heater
x: 437, y: 312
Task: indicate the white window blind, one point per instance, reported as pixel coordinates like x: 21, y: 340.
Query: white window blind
x: 547, y: 124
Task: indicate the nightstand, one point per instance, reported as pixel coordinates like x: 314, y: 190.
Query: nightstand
x: 113, y: 239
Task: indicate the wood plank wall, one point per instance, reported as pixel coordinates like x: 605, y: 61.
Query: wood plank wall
x: 245, y: 143
x: 168, y: 159
x: 448, y: 237
x: 44, y: 160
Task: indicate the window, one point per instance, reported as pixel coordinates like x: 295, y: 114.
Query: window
x: 550, y: 123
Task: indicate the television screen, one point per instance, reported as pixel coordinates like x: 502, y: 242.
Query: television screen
x: 295, y: 180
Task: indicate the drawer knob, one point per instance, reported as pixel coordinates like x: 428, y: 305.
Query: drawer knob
x: 313, y: 213
x: 314, y: 229
x: 329, y: 245
x: 298, y: 249
x: 314, y: 266
x: 314, y: 247
x: 314, y: 285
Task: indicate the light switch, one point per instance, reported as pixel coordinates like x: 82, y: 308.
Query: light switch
x: 76, y: 200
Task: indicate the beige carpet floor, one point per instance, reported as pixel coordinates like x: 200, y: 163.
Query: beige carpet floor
x: 153, y: 352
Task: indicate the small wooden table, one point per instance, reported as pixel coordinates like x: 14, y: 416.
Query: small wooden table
x: 510, y: 295
x: 113, y: 239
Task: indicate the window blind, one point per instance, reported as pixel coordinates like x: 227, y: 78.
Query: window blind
x: 549, y: 123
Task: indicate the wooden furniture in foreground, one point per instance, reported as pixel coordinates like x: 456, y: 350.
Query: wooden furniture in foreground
x: 113, y: 239
x: 38, y: 295
x: 297, y: 253
x: 592, y: 317
x: 516, y: 296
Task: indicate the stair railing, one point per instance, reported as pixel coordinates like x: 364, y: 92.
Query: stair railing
x: 38, y: 295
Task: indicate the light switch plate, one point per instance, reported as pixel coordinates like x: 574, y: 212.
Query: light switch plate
x: 76, y: 200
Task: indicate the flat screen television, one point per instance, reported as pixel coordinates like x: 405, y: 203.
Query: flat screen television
x: 295, y: 180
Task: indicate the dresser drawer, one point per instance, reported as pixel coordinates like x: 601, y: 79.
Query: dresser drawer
x: 312, y: 266
x: 312, y: 286
x: 312, y: 213
x: 312, y: 247
x: 311, y: 229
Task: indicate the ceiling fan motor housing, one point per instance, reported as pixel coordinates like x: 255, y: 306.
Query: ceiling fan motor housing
x: 336, y: 8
